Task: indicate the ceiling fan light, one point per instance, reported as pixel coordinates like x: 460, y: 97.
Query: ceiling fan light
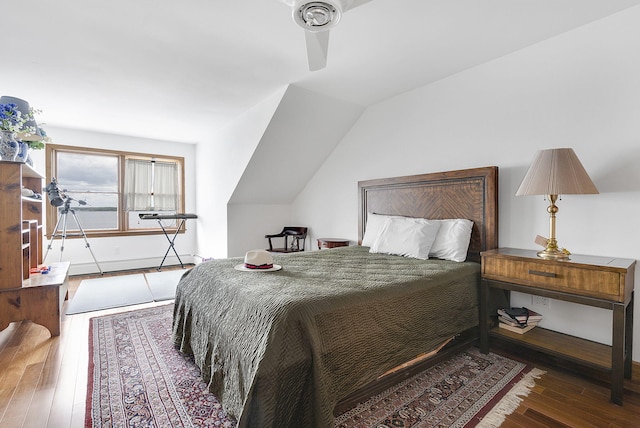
x: 316, y: 15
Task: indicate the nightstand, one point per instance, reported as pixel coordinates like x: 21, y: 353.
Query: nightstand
x: 332, y: 243
x: 603, y: 282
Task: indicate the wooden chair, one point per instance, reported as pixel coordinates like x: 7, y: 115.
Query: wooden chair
x: 296, y: 234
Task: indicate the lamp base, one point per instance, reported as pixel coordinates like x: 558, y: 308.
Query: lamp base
x: 553, y: 254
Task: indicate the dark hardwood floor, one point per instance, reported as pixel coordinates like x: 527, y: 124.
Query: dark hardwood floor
x: 43, y: 382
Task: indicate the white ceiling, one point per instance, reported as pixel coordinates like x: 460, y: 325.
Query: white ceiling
x: 179, y: 70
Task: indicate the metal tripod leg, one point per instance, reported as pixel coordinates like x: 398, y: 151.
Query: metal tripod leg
x: 64, y: 233
x: 53, y: 235
x: 86, y: 242
x: 63, y: 219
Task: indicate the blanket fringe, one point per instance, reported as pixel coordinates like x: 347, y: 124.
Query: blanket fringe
x: 510, y: 402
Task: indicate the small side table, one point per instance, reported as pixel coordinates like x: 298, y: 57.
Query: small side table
x: 602, y: 282
x: 332, y: 243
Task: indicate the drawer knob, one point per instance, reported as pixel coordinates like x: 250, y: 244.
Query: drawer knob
x: 540, y: 273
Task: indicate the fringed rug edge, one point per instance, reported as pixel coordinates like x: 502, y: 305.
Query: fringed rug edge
x: 511, y: 400
x: 88, y: 412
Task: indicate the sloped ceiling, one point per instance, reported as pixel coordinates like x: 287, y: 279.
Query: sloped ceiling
x: 182, y: 70
x: 303, y: 131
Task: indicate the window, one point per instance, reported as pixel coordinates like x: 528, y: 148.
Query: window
x: 106, y: 191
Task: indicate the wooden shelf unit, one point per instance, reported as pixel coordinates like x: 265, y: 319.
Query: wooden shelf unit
x: 603, y: 282
x: 588, y: 353
x: 25, y: 296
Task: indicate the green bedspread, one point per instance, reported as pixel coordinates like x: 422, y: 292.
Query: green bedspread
x: 279, y: 349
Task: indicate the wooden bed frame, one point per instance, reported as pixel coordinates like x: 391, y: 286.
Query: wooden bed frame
x: 470, y: 194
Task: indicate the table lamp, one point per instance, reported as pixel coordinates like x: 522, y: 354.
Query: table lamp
x: 552, y: 173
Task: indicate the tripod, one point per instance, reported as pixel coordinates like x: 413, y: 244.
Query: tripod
x: 62, y: 219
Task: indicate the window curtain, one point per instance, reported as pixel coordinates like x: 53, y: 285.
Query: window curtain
x: 151, y: 185
x: 138, y: 185
x: 165, y: 186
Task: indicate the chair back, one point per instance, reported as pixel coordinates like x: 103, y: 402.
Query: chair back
x: 296, y: 234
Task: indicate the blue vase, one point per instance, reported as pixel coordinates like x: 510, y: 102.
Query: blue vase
x: 23, y: 152
x: 9, y: 147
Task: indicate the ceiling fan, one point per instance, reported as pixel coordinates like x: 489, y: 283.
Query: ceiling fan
x: 317, y: 18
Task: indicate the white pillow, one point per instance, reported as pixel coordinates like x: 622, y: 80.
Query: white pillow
x: 375, y: 223
x: 408, y: 237
x: 452, y: 240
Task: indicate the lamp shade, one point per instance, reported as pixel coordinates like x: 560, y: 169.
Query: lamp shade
x: 556, y: 172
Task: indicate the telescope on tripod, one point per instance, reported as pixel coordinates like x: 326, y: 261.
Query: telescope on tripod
x: 63, y: 202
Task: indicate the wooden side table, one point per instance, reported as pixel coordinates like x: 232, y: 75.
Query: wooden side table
x: 603, y: 282
x: 332, y: 243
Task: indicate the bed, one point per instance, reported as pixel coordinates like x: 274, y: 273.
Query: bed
x: 288, y: 348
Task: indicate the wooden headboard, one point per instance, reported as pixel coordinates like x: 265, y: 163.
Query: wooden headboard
x: 468, y: 193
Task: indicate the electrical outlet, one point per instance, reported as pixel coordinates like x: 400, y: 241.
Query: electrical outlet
x: 540, y: 301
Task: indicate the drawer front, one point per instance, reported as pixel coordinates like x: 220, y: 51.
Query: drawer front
x: 332, y: 244
x: 567, y: 278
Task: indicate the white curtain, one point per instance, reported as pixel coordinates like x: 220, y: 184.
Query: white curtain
x: 151, y: 185
x: 165, y: 186
x: 138, y: 185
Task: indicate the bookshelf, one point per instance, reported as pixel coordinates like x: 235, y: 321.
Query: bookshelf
x: 25, y: 295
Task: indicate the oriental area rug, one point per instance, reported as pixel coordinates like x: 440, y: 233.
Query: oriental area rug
x: 138, y: 378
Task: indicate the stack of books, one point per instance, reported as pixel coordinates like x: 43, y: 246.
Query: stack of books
x: 518, y: 320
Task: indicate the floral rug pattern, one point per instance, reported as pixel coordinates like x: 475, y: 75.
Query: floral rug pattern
x: 137, y: 378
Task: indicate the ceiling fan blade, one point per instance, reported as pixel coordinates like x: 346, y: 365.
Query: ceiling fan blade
x: 355, y: 3
x: 317, y: 48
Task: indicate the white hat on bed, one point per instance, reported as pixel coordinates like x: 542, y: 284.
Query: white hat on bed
x: 258, y: 261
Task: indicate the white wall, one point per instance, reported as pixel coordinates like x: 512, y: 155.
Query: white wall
x: 580, y: 90
x: 220, y: 165
x: 248, y: 223
x: 302, y: 133
x: 125, y: 252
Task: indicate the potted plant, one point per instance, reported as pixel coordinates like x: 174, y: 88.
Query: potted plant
x: 11, y: 122
x: 19, y: 131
